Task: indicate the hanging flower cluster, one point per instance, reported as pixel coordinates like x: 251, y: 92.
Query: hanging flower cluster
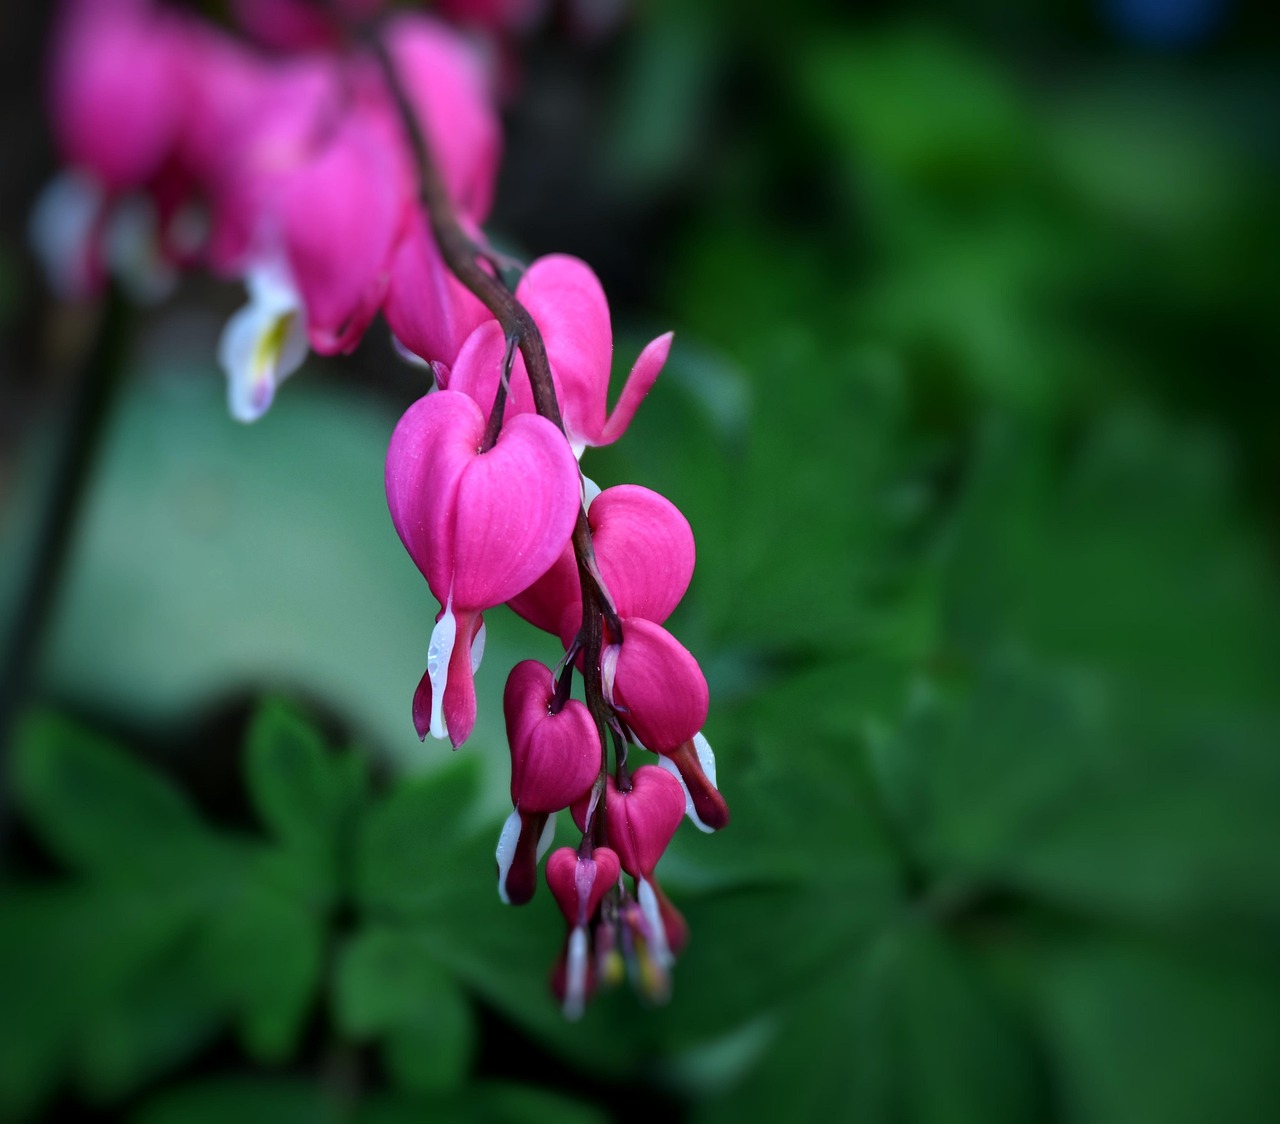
x: 340, y: 161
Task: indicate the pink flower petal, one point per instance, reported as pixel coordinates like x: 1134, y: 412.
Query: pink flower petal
x: 659, y: 687
x: 555, y: 758
x: 644, y: 373
x: 515, y: 509
x: 430, y: 311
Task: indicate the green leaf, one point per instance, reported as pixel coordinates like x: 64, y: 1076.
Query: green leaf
x: 262, y: 953
x: 305, y: 794
x: 383, y: 980
x: 903, y: 1032
x: 156, y: 1024
x: 67, y: 954
x: 245, y: 1100
x: 405, y: 855
x: 387, y: 985
x: 432, y: 1051
x: 1146, y: 1035
x: 99, y: 810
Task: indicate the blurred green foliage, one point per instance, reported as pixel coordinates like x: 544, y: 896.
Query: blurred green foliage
x: 971, y: 412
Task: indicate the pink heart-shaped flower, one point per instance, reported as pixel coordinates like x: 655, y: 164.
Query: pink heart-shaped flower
x: 579, y: 885
x: 644, y: 549
x: 641, y: 821
x: 554, y: 757
x: 481, y: 527
x: 657, y: 685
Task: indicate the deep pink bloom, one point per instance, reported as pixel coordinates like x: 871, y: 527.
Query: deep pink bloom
x: 428, y: 309
x: 341, y: 216
x: 480, y: 526
x: 640, y: 824
x: 115, y: 69
x: 555, y: 758
x: 447, y: 84
x: 579, y: 885
x: 565, y: 299
x: 645, y: 551
x: 656, y: 685
x: 641, y: 821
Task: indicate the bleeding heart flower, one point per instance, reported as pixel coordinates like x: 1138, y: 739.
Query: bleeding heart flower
x: 116, y: 68
x: 645, y: 552
x: 640, y: 824
x: 579, y: 885
x: 656, y: 685
x: 448, y: 85
x: 430, y: 311
x: 566, y: 301
x: 555, y: 758
x: 641, y: 821
x: 481, y: 526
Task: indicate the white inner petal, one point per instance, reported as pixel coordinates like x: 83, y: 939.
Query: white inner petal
x: 575, y: 975
x: 263, y: 343
x: 438, y: 653
x: 608, y: 670
x: 506, y: 853
x: 653, y: 918
x: 706, y: 758
x: 590, y: 489
x: 689, y: 809
x: 477, y: 648
x: 548, y: 834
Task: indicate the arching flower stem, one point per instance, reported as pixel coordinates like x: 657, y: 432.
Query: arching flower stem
x: 463, y: 256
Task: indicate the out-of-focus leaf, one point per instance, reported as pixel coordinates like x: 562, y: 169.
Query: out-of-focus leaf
x: 902, y: 1031
x: 405, y: 855
x: 1140, y: 1033
x: 100, y: 811
x: 919, y: 106
x: 431, y: 1052
x: 306, y: 795
x: 263, y: 953
x: 245, y: 1100
x: 386, y: 986
x: 156, y: 1024
x: 68, y: 953
x: 484, y: 1103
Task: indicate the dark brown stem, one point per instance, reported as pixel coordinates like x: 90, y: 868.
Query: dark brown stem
x: 494, y: 426
x: 463, y: 256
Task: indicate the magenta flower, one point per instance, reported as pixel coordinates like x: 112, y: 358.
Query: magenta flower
x: 430, y: 312
x: 579, y: 885
x: 656, y: 685
x: 644, y: 548
x: 565, y: 299
x: 641, y: 822
x: 116, y: 65
x: 555, y: 757
x: 481, y: 526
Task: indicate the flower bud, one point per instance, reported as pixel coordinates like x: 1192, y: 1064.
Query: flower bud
x: 656, y: 685
x: 555, y: 757
x: 644, y: 550
x: 641, y: 821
